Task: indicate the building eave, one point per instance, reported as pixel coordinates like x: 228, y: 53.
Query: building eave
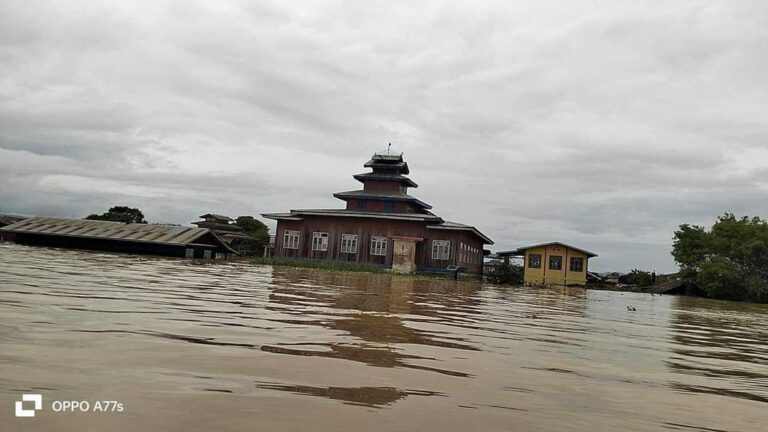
x: 216, y: 216
x: 384, y: 197
x: 282, y: 216
x: 521, y: 251
x: 486, y: 239
x: 217, y: 226
x: 222, y: 243
x: 301, y: 214
x: 396, y: 166
x: 385, y: 177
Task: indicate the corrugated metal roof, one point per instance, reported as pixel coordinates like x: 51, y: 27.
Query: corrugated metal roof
x: 388, y: 162
x: 146, y: 233
x: 299, y: 214
x: 388, y: 157
x: 385, y: 176
x: 387, y: 195
x: 217, y: 216
x: 282, y: 216
x: 6, y: 219
x: 521, y: 251
x: 448, y: 225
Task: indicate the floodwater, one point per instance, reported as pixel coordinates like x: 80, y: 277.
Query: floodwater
x: 187, y: 346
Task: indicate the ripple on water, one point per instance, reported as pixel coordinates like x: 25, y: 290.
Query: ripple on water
x: 433, y: 352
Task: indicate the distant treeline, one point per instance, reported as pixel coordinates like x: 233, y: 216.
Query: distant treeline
x: 250, y: 225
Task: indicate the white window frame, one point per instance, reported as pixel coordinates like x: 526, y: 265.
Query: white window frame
x: 441, y: 250
x: 378, y: 246
x: 349, y: 243
x: 320, y: 241
x: 291, y: 239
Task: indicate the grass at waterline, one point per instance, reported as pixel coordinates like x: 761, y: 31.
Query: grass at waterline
x: 325, y: 265
x: 350, y: 267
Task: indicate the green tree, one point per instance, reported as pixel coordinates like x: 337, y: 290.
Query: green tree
x: 730, y: 261
x: 120, y: 214
x: 257, y: 229
x: 690, y: 249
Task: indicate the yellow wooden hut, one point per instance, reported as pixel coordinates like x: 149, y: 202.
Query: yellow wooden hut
x: 552, y: 263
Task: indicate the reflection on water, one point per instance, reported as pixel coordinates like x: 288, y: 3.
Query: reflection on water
x: 230, y: 345
x: 365, y: 396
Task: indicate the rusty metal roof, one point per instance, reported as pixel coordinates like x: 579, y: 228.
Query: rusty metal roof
x: 145, y: 233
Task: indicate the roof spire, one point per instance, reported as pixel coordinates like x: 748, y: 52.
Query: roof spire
x: 388, y: 147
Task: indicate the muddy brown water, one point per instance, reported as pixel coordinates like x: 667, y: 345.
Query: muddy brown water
x: 189, y: 346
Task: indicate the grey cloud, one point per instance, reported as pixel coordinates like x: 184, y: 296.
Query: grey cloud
x: 604, y: 124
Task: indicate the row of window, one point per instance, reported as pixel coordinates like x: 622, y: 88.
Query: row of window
x: 470, y: 254
x: 556, y: 262
x: 441, y: 249
x: 348, y: 242
x: 207, y: 254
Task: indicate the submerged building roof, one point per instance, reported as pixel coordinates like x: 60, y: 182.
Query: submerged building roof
x: 118, y: 231
x: 217, y: 222
x: 216, y: 216
x: 6, y: 219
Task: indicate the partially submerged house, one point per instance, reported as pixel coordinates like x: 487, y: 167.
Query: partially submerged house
x: 552, y: 263
x: 381, y: 225
x: 232, y: 234
x: 217, y: 222
x: 149, y: 239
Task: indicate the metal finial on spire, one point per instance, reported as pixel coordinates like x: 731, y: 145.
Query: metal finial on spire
x: 388, y: 147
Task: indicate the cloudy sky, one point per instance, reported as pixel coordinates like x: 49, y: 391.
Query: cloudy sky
x: 600, y: 123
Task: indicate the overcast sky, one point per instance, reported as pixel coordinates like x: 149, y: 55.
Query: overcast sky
x: 599, y: 123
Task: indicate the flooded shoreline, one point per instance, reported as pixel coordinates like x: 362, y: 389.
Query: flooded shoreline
x: 233, y: 346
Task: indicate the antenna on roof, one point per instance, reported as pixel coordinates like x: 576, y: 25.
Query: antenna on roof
x: 388, y: 147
